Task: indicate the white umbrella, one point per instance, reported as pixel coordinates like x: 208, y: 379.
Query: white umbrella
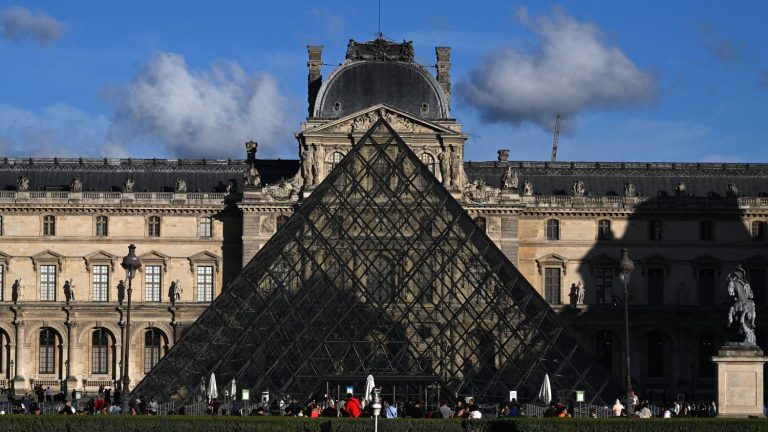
x: 545, y: 393
x: 213, y: 392
x: 233, y: 389
x: 369, y: 384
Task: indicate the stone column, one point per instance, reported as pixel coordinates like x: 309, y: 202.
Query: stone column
x: 19, y: 365
x: 315, y: 76
x: 740, y: 381
x: 71, y: 378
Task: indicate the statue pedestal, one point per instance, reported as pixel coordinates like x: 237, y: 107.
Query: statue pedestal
x: 739, y: 380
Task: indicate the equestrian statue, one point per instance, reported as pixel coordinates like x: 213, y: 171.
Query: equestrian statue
x: 742, y: 311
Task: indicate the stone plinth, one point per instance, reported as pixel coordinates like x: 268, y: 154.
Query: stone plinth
x: 740, y: 380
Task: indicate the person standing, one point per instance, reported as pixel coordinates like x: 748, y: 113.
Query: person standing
x: 352, y: 408
x: 390, y: 411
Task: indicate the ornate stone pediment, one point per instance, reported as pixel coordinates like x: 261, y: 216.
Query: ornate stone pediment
x: 204, y: 258
x: 47, y: 256
x: 552, y: 260
x: 153, y: 256
x: 400, y: 121
x: 99, y: 257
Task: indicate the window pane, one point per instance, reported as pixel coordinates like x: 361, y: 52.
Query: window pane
x: 604, y: 230
x: 655, y: 354
x: 99, y: 352
x: 205, y: 228
x: 47, y: 363
x: 101, y: 226
x: 152, y: 342
x: 706, y: 351
x: 707, y: 287
x: 153, y: 227
x: 152, y: 283
x: 553, y: 229
x: 552, y: 285
x: 655, y: 281
x: 756, y: 282
x: 204, y: 283
x: 603, y: 285
x: 48, y: 282
x: 100, y: 283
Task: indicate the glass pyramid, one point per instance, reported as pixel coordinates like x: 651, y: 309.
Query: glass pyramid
x: 380, y: 271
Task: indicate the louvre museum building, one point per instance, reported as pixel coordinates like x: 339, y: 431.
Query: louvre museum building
x: 378, y: 250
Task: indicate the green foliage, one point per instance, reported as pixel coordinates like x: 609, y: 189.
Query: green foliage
x: 57, y: 423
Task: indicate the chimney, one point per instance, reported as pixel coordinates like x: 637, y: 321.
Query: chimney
x: 315, y: 77
x: 503, y: 155
x: 444, y: 71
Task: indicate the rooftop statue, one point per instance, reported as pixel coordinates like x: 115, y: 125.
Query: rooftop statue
x: 742, y: 311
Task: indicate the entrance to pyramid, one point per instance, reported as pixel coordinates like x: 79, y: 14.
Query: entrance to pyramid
x: 380, y: 271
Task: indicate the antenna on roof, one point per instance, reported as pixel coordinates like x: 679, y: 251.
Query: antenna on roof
x: 557, y: 135
x: 378, y: 34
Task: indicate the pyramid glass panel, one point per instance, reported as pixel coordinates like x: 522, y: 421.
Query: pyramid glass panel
x: 380, y: 271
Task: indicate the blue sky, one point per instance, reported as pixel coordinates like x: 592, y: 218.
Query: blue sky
x: 643, y: 81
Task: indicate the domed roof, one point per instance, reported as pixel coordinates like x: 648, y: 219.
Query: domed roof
x: 380, y: 72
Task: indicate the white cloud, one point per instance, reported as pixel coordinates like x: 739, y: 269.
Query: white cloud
x: 57, y: 130
x: 572, y: 70
x: 19, y: 24
x: 207, y: 113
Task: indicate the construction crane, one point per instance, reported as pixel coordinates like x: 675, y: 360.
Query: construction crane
x: 557, y: 135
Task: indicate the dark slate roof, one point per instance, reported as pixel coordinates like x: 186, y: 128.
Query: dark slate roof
x: 152, y: 175
x: 608, y: 178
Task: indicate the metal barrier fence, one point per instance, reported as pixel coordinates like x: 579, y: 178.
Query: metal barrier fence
x: 580, y: 410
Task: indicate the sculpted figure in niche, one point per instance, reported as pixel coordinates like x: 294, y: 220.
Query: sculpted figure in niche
x: 578, y: 188
x: 181, y: 185
x: 316, y: 162
x: 128, y: 185
x: 120, y: 292
x: 527, y: 188
x: 732, y: 191
x: 680, y: 189
x: 76, y: 185
x: 174, y: 292
x: 16, y: 291
x: 307, y: 162
x: 22, y: 184
x: 629, y: 189
x: 455, y: 167
x: 69, y: 291
x: 444, y: 159
x: 510, y: 179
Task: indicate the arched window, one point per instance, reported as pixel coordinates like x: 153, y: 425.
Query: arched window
x: 100, y: 339
x: 656, y: 354
x: 429, y: 161
x: 153, y: 341
x: 553, y: 229
x: 706, y: 351
x: 481, y: 222
x: 102, y: 226
x: 47, y: 352
x: 205, y: 227
x: 281, y: 220
x: 49, y: 225
x: 153, y: 226
x: 381, y: 280
x: 332, y: 160
x: 604, y: 230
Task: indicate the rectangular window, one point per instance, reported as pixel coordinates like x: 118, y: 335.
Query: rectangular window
x: 604, y: 230
x: 99, y: 359
x: 153, y: 280
x: 100, y: 283
x: 553, y: 229
x: 204, y: 283
x: 205, y: 228
x: 707, y: 286
x: 603, y: 285
x: 48, y: 282
x: 758, y: 230
x: 655, y: 281
x: 552, y: 285
x: 151, y: 357
x: 756, y: 282
x: 2, y: 286
x: 656, y: 230
x: 706, y: 230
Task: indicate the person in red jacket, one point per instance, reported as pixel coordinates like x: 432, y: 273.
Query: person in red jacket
x: 352, y: 408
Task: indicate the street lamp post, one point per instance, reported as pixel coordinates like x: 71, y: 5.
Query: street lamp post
x: 376, y: 408
x: 13, y: 378
x: 131, y: 263
x: 625, y: 270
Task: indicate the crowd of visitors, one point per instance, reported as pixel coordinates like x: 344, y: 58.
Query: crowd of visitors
x: 645, y: 409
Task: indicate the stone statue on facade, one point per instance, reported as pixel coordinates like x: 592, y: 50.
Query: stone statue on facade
x: 742, y: 311
x: 733, y: 190
x: 681, y: 189
x: 510, y: 179
x: 120, y: 292
x: 174, y: 292
x: 69, y: 291
x: 231, y: 185
x: 455, y: 167
x: 128, y: 185
x: 76, y: 185
x: 318, y: 160
x: 527, y: 188
x: 251, y: 176
x: 578, y: 188
x: 181, y: 185
x: 16, y: 291
x: 445, y: 172
x: 22, y: 184
x: 629, y: 189
x: 577, y: 294
x: 308, y: 164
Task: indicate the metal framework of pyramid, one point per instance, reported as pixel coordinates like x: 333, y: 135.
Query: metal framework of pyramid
x: 380, y: 271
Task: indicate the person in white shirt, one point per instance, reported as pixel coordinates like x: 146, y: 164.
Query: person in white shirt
x: 617, y: 408
x: 474, y: 412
